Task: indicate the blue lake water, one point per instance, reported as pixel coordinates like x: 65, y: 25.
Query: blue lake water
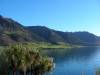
x: 76, y: 61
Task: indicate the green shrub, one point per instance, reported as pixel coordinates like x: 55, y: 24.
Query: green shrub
x: 24, y: 59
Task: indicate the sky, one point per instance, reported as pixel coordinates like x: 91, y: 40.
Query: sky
x: 63, y: 15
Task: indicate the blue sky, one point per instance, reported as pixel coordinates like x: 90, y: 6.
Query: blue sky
x: 64, y: 15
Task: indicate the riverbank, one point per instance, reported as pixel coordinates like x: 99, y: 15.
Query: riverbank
x: 43, y: 45
x: 54, y: 46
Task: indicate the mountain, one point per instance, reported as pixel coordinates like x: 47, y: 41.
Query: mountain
x: 88, y: 38
x: 54, y: 36
x: 14, y: 32
x: 57, y: 37
x: 48, y: 34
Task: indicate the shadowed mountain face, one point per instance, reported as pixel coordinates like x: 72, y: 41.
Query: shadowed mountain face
x: 76, y: 38
x: 48, y: 34
x: 13, y: 32
x: 88, y: 38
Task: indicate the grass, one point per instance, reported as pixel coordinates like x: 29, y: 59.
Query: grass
x: 54, y: 46
x: 43, y: 45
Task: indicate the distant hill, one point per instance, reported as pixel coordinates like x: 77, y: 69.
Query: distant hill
x: 13, y: 32
x: 53, y: 36
x: 88, y: 38
x: 48, y: 34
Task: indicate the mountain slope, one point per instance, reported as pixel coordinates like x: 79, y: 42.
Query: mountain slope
x: 48, y: 34
x: 53, y: 36
x: 88, y: 38
x: 13, y: 32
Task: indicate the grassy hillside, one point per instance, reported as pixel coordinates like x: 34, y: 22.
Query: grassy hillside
x: 13, y: 32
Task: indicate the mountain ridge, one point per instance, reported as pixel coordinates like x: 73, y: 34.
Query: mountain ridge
x: 14, y: 32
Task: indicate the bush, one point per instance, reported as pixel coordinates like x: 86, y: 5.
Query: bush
x: 23, y: 59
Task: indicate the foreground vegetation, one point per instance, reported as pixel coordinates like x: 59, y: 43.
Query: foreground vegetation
x: 24, y: 59
x: 98, y: 72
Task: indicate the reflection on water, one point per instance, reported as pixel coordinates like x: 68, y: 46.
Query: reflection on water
x: 76, y: 61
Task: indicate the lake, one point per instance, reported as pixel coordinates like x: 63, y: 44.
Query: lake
x: 76, y: 61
